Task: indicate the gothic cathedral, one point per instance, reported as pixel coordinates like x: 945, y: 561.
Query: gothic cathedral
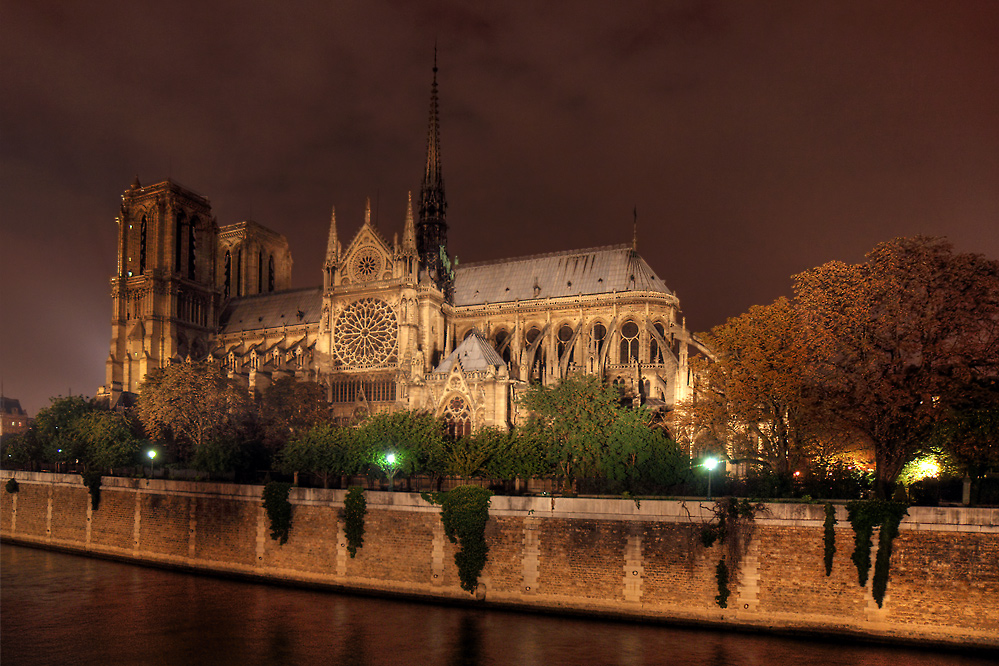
x: 395, y: 325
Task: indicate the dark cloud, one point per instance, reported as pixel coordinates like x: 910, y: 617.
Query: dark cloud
x: 756, y: 140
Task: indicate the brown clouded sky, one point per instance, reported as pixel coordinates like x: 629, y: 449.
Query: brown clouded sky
x: 756, y: 139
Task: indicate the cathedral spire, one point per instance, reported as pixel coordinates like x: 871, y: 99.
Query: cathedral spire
x: 367, y: 212
x: 431, y: 231
x: 409, y: 231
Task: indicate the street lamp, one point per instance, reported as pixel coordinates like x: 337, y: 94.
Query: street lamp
x: 710, y: 464
x: 152, y: 462
x: 390, y: 469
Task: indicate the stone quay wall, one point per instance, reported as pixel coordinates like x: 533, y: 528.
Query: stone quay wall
x: 603, y: 557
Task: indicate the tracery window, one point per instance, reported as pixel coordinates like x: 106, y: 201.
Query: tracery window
x: 598, y: 334
x: 458, y: 417
x: 563, y: 338
x: 365, y: 334
x: 629, y: 342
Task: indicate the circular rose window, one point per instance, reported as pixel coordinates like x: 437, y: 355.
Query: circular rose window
x: 367, y: 264
x: 365, y: 334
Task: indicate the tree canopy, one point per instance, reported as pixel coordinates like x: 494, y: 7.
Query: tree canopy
x: 895, y: 340
x: 198, y: 408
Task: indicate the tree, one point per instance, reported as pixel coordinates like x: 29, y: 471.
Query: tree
x: 969, y: 430
x: 895, y: 340
x: 109, y: 439
x: 752, y: 395
x: 326, y: 450
x: 55, y: 432
x: 416, y: 439
x: 583, y: 431
x: 200, y: 408
x: 290, y: 407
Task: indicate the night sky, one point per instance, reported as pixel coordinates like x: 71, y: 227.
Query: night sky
x: 756, y: 139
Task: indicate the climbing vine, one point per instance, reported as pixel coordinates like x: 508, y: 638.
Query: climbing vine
x: 354, y: 509
x: 278, y: 509
x: 830, y: 536
x: 864, y: 517
x: 464, y: 513
x: 11, y: 486
x: 92, y: 480
x: 731, y: 526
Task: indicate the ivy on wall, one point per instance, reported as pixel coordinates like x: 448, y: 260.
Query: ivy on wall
x: 731, y: 526
x: 864, y: 517
x: 830, y: 536
x: 721, y: 573
x: 92, y: 480
x: 354, y: 509
x: 464, y: 514
x: 278, y: 509
x: 11, y: 486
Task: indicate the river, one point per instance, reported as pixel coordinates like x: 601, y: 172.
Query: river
x: 57, y: 608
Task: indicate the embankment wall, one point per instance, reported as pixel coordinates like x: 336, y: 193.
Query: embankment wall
x: 609, y: 557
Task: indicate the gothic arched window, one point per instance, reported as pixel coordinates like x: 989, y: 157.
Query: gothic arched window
x: 655, y: 353
x: 260, y: 272
x: 598, y: 334
x: 270, y: 273
x: 228, y: 272
x: 458, y: 417
x: 629, y: 342
x: 178, y: 243
x: 502, y: 344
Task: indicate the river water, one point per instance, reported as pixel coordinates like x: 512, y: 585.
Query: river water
x: 57, y: 608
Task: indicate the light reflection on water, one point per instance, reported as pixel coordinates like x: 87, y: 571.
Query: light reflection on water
x: 65, y: 609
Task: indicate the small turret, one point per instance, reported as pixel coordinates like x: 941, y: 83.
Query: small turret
x: 332, y: 254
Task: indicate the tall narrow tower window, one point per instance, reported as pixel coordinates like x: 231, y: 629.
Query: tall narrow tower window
x: 239, y: 272
x: 260, y: 272
x: 142, y: 246
x: 270, y: 273
x: 191, y: 249
x: 228, y: 272
x: 178, y: 242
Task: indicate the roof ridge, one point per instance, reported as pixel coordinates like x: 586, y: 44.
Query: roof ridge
x: 544, y: 255
x: 266, y: 294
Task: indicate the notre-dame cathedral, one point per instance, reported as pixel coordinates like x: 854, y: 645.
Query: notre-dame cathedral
x: 395, y: 325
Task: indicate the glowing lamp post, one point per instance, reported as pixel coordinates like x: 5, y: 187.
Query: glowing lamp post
x: 710, y: 464
x: 390, y: 467
x: 152, y: 462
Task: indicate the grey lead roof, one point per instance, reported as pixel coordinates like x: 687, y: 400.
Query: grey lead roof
x: 273, y: 310
x: 474, y: 353
x: 596, y: 270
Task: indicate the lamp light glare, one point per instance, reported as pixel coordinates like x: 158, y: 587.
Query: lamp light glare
x: 710, y: 463
x: 151, y: 454
x: 390, y: 458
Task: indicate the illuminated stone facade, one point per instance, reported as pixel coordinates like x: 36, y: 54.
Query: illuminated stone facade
x: 396, y: 324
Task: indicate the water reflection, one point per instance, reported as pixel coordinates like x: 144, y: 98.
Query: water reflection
x: 65, y: 609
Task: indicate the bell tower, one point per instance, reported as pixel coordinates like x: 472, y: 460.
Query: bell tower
x: 164, y: 293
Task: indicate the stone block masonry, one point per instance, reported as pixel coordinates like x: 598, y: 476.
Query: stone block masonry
x: 605, y: 557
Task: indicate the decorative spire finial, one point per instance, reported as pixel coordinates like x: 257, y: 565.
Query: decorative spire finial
x: 333, y: 242
x: 367, y: 211
x: 634, y: 232
x: 409, y: 230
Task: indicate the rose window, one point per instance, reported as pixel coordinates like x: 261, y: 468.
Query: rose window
x: 365, y: 334
x: 367, y: 264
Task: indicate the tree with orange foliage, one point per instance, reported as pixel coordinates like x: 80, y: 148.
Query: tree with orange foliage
x: 894, y: 341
